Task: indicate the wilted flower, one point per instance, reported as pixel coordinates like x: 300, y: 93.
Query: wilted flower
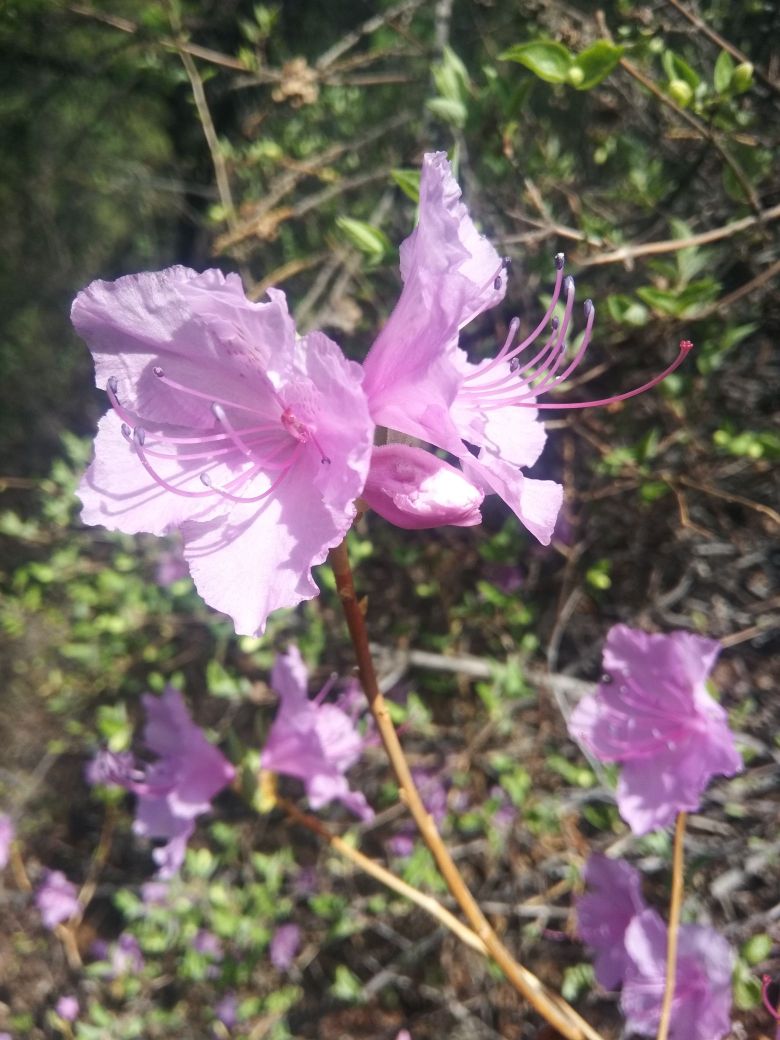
x: 311, y: 740
x: 702, y: 994
x: 253, y: 442
x: 614, y: 898
x: 56, y: 899
x: 67, y: 1007
x: 285, y: 944
x: 653, y: 715
x: 177, y: 787
x: 7, y: 833
x: 420, y: 382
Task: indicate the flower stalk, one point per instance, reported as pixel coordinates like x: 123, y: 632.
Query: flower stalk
x: 675, y: 905
x: 549, y: 1005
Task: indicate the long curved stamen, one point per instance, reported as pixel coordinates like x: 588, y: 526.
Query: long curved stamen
x: 198, y: 393
x: 206, y: 479
x: 766, y: 982
x: 136, y: 438
x: 685, y: 348
x: 504, y: 354
x: 509, y: 380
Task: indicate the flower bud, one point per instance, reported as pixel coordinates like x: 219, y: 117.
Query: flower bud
x: 681, y: 92
x: 414, y: 489
x: 742, y: 77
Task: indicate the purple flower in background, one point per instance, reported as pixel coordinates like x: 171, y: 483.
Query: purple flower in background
x: 67, y: 1008
x: 653, y: 715
x: 226, y: 1010
x: 208, y: 944
x: 171, y: 567
x: 434, y: 797
x: 253, y: 442
x: 123, y: 957
x: 313, y: 741
x: 614, y: 898
x: 285, y: 944
x: 56, y: 898
x: 702, y: 997
x: 7, y: 833
x: 176, y: 788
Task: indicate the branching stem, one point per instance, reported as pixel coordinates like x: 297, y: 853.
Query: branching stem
x: 549, y: 1005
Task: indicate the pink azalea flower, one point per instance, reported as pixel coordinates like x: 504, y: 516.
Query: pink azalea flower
x: 56, y: 899
x: 421, y: 383
x: 177, y: 787
x: 67, y: 1008
x: 614, y: 898
x: 224, y: 424
x: 313, y: 741
x: 653, y: 715
x: 701, y: 1007
x: 285, y: 944
x: 7, y: 832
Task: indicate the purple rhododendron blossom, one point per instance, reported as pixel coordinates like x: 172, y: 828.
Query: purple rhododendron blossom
x: 7, y: 833
x: 252, y: 441
x: 614, y: 898
x: 315, y: 742
x: 67, y: 1007
x: 702, y: 996
x: 285, y: 944
x: 414, y: 489
x: 176, y: 788
x: 123, y: 957
x: 653, y: 715
x: 56, y: 899
x: 420, y: 382
x: 226, y: 1011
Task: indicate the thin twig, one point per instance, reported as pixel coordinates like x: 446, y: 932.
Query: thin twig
x: 210, y: 133
x: 744, y: 290
x: 728, y: 496
x: 381, y: 874
x: 550, y: 1006
x: 630, y: 252
x: 675, y: 906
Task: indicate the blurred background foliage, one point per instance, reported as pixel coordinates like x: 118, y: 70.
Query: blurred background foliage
x: 284, y: 142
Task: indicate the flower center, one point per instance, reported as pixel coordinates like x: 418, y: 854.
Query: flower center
x: 258, y: 446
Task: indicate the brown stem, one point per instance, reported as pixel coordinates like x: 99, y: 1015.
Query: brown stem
x: 550, y: 1006
x: 381, y: 874
x: 675, y: 905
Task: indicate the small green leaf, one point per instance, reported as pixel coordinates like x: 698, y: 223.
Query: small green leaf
x: 757, y: 949
x: 724, y: 69
x: 370, y: 240
x: 742, y: 79
x: 547, y: 59
x: 595, y: 63
x: 449, y: 111
x: 676, y: 68
x: 408, y: 181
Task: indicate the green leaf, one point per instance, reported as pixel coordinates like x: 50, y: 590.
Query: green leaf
x: 370, y: 240
x: 449, y: 111
x: 676, y: 68
x: 451, y: 77
x: 595, y: 63
x: 724, y: 70
x: 757, y: 949
x: 547, y: 59
x: 408, y: 181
